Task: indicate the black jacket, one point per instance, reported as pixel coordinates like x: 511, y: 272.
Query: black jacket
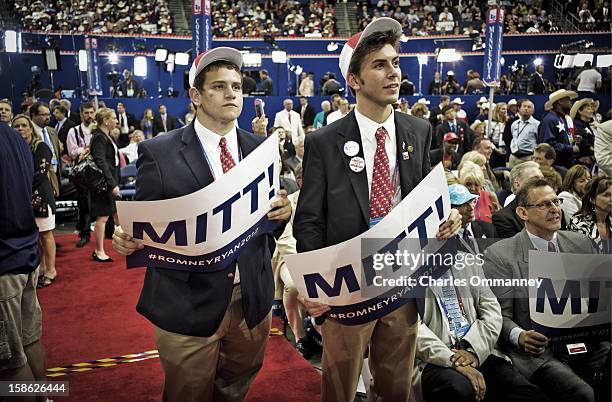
x: 158, y: 124
x: 42, y: 191
x: 194, y: 304
x: 103, y: 153
x: 466, y: 136
x: 62, y: 134
x: 309, y: 115
x: 507, y: 223
x: 334, y: 203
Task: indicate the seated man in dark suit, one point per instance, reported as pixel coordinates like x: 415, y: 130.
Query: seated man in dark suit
x: 211, y: 328
x: 475, y: 235
x: 506, y: 221
x: 550, y: 368
x: 447, y: 154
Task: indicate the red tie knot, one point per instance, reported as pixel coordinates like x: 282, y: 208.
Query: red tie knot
x: 381, y: 135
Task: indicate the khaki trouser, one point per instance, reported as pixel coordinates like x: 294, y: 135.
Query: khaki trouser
x: 392, y: 342
x: 217, y: 368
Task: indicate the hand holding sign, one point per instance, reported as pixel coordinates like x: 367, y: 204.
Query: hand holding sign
x: 123, y: 242
x: 451, y: 227
x: 281, y: 208
x: 314, y: 309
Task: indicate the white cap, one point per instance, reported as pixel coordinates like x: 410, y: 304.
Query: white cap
x: 450, y: 72
x: 423, y: 101
x: 378, y: 25
x: 481, y: 100
x: 219, y: 53
x: 458, y: 101
x: 512, y: 102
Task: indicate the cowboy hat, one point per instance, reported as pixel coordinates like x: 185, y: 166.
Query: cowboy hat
x: 557, y: 96
x: 578, y: 105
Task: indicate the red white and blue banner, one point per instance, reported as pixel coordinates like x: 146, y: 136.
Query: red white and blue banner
x: 573, y: 301
x: 493, y: 46
x: 201, y: 26
x: 94, y: 86
x: 206, y: 231
x: 352, y: 278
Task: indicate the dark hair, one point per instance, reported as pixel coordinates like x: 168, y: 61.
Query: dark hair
x: 61, y: 109
x: 522, y: 198
x: 521, y: 101
x: 35, y: 108
x: 599, y: 185
x: 547, y: 149
x: 444, y: 98
x: 371, y: 44
x: 86, y: 105
x: 447, y: 108
x: 574, y: 173
x: 198, y: 82
x: 477, y: 141
x: 120, y: 103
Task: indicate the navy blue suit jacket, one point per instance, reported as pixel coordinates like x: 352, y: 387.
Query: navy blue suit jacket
x: 173, y: 165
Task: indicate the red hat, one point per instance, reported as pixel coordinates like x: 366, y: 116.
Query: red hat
x: 219, y: 53
x: 381, y: 24
x: 450, y: 137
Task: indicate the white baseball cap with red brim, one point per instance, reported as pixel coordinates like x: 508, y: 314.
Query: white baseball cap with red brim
x: 382, y: 24
x: 206, y: 58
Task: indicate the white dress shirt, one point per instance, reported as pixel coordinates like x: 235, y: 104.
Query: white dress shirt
x: 210, y: 142
x: 125, y: 127
x: 367, y: 129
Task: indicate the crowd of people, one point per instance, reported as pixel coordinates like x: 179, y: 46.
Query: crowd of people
x: 252, y: 18
x: 89, y: 16
x: 445, y: 17
x: 516, y: 183
x: 591, y: 15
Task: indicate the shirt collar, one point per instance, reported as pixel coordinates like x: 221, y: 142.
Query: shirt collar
x: 210, y: 139
x: 542, y: 244
x: 368, y: 127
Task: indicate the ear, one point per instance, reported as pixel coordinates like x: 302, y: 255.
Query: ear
x: 195, y: 96
x: 522, y: 213
x: 354, y: 81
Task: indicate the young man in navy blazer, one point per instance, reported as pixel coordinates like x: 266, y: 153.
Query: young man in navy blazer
x: 211, y: 328
x: 350, y: 167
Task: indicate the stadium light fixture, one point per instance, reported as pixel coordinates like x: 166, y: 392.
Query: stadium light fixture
x: 12, y: 41
x: 181, y: 59
x: 581, y: 58
x: 448, y: 55
x: 140, y: 66
x: 279, y: 56
x: 170, y: 63
x: 113, y: 58
x: 161, y: 55
x: 332, y: 46
x: 82, y: 60
x: 251, y: 59
x: 604, y: 60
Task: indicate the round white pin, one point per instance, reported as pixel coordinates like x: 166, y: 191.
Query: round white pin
x: 357, y: 164
x: 351, y: 148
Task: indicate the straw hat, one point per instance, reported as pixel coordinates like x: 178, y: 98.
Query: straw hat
x: 578, y: 105
x: 557, y: 96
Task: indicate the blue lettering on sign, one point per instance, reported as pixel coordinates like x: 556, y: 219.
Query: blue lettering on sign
x: 344, y: 274
x: 176, y: 228
x: 347, y: 274
x: 571, y: 290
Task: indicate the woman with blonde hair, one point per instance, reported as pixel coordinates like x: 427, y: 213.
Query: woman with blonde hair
x: 420, y: 110
x: 498, y: 124
x: 472, y: 176
x: 479, y: 128
x: 106, y: 156
x: 43, y: 202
